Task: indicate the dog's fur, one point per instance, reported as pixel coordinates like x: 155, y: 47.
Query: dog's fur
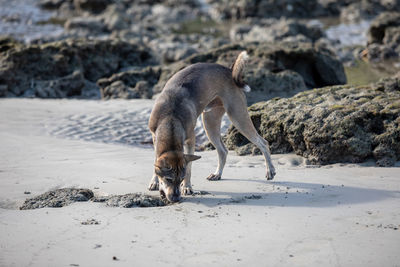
x: 206, y: 89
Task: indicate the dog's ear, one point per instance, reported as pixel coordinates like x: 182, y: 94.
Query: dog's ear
x: 189, y: 158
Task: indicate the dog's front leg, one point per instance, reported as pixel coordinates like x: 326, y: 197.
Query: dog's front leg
x: 153, y: 185
x: 186, y: 186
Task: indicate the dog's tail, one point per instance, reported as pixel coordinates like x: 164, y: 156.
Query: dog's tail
x: 237, y: 70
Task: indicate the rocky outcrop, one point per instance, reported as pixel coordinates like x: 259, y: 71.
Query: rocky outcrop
x: 384, y: 37
x: 65, y: 68
x: 130, y: 84
x: 274, y: 69
x: 331, y: 124
x: 367, y: 9
x: 236, y: 10
x: 93, y: 6
x: 272, y: 30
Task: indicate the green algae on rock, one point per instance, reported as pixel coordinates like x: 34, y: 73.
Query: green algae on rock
x: 331, y: 124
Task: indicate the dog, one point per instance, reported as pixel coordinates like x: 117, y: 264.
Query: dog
x: 205, y: 89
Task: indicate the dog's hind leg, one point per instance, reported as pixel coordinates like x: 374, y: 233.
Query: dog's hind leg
x: 236, y: 109
x: 212, y: 124
x: 186, y: 186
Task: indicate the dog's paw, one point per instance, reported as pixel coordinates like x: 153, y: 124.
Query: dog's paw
x: 153, y: 186
x: 187, y: 191
x: 214, y: 177
x: 270, y: 174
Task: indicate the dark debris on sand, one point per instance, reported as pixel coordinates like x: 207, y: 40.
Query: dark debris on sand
x: 57, y: 198
x: 131, y: 200
x: 62, y: 197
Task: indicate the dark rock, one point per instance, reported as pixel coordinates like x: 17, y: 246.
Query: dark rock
x: 93, y: 6
x: 362, y: 10
x: 88, y: 24
x: 54, y: 66
x: 57, y: 198
x: 334, y: 7
x: 227, y: 9
x: 377, y: 30
x: 51, y: 4
x: 129, y: 84
x: 367, y: 9
x: 272, y: 30
x: 272, y: 66
x: 66, y: 86
x: 384, y: 37
x: 266, y: 84
x: 331, y: 124
x: 7, y: 42
x: 115, y: 17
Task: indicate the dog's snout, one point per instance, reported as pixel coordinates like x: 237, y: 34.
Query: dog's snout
x: 177, y: 191
x: 175, y: 198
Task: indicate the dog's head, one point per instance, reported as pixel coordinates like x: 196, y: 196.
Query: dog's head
x: 170, y: 168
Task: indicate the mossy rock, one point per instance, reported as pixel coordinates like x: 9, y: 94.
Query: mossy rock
x: 331, y: 124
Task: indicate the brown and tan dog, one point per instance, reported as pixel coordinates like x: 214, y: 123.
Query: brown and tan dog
x: 206, y: 89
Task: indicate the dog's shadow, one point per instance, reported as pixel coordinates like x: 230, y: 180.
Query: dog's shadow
x: 292, y: 194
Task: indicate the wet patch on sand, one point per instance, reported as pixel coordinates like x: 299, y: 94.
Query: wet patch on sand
x: 65, y: 196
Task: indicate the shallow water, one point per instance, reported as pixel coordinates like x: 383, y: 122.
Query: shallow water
x: 24, y: 20
x: 351, y: 34
x: 362, y: 72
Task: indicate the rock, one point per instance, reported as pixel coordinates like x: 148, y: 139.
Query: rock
x: 57, y: 198
x: 317, y: 67
x: 384, y: 37
x: 266, y: 84
x: 66, y: 67
x: 3, y: 90
x: 226, y: 9
x: 172, y: 50
x: 362, y: 10
x: 7, y: 42
x: 377, y: 30
x: 89, y: 24
x: 93, y: 6
x: 67, y: 86
x: 129, y: 84
x: 51, y: 4
x: 334, y: 7
x: 331, y: 124
x: 367, y: 9
x: 272, y: 30
x: 115, y: 17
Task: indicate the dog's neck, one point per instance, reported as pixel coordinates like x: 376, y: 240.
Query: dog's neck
x: 170, y: 136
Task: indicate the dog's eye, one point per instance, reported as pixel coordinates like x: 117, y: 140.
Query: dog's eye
x: 168, y: 179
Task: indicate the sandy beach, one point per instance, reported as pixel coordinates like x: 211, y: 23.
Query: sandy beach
x: 333, y: 215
